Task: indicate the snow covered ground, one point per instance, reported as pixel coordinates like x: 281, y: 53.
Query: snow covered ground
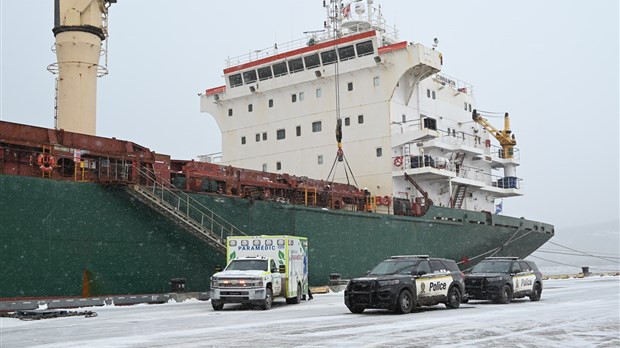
x: 572, y: 313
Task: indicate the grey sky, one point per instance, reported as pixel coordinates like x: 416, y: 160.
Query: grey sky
x: 552, y: 64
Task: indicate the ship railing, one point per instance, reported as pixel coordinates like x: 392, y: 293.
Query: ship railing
x: 457, y: 85
x: 187, y: 205
x: 460, y: 138
x: 497, y: 153
x: 215, y: 157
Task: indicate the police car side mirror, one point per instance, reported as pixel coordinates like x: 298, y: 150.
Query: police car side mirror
x: 420, y: 273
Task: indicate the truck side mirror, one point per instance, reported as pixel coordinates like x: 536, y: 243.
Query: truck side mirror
x: 218, y: 268
x: 282, y: 269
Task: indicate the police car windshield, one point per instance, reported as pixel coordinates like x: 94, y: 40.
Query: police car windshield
x: 247, y: 265
x: 394, y: 267
x: 492, y: 267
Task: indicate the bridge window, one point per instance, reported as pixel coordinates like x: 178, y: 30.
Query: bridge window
x: 250, y: 108
x: 301, y: 96
x: 319, y: 159
x: 318, y: 93
x: 375, y: 81
x: 257, y: 137
x: 264, y: 73
x: 346, y: 53
x: 328, y: 57
x: 364, y: 48
x: 360, y: 119
x: 278, y: 167
x: 242, y: 140
x: 293, y: 98
x: 235, y: 80
x: 379, y: 152
x: 347, y: 121
x: 298, y: 131
x: 249, y: 76
x: 230, y: 112
x: 295, y: 65
x: 264, y: 135
x: 280, y: 69
x: 270, y: 103
x: 350, y: 86
x: 312, y: 61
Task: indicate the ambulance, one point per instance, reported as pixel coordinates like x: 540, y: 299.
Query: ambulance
x: 261, y: 268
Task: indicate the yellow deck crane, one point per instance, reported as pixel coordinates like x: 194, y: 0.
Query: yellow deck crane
x: 505, y: 137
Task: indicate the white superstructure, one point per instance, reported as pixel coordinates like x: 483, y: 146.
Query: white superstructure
x: 278, y: 111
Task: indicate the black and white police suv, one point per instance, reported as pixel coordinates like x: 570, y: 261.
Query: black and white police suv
x: 402, y: 282
x: 503, y: 278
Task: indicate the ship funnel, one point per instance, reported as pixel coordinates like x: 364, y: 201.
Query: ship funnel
x: 79, y: 28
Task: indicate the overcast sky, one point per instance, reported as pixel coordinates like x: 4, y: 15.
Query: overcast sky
x: 553, y: 65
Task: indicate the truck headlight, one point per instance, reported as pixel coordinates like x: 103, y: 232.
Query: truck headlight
x: 388, y: 282
x: 214, y: 282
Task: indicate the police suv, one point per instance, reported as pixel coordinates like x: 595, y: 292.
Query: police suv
x: 503, y: 278
x: 402, y: 282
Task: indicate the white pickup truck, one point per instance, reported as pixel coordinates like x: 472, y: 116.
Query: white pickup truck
x: 261, y: 268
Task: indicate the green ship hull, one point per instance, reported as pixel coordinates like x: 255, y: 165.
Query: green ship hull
x: 85, y: 239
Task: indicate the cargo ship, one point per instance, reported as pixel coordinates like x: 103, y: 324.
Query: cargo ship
x: 350, y: 137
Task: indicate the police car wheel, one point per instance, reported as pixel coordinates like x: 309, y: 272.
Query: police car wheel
x: 268, y: 299
x: 536, y: 292
x: 404, y: 303
x: 356, y: 309
x: 454, y: 298
x: 217, y: 305
x: 505, y: 294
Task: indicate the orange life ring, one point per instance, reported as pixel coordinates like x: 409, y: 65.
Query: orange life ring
x: 46, y: 162
x: 398, y: 161
x: 386, y: 200
x: 379, y: 200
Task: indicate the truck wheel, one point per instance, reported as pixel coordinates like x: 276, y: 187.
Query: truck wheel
x: 296, y: 299
x: 454, y: 298
x: 217, y: 305
x: 505, y: 294
x: 404, y: 303
x: 536, y: 292
x: 268, y: 299
x: 356, y: 309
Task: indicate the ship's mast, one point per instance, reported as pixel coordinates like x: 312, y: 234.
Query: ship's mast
x: 80, y: 26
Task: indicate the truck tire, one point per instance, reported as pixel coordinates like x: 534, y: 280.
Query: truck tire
x: 268, y: 299
x: 454, y: 298
x: 505, y: 294
x: 356, y: 309
x: 536, y: 292
x: 217, y: 305
x: 404, y: 304
x: 296, y: 299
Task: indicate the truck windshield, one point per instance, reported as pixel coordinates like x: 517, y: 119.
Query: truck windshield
x: 393, y: 267
x: 247, y: 265
x: 492, y: 267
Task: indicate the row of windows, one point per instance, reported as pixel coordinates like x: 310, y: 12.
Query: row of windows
x: 317, y: 126
x: 296, y: 65
x: 301, y: 96
x: 319, y: 160
x: 467, y: 106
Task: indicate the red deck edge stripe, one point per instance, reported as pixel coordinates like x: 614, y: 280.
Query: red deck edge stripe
x: 394, y: 47
x: 215, y: 90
